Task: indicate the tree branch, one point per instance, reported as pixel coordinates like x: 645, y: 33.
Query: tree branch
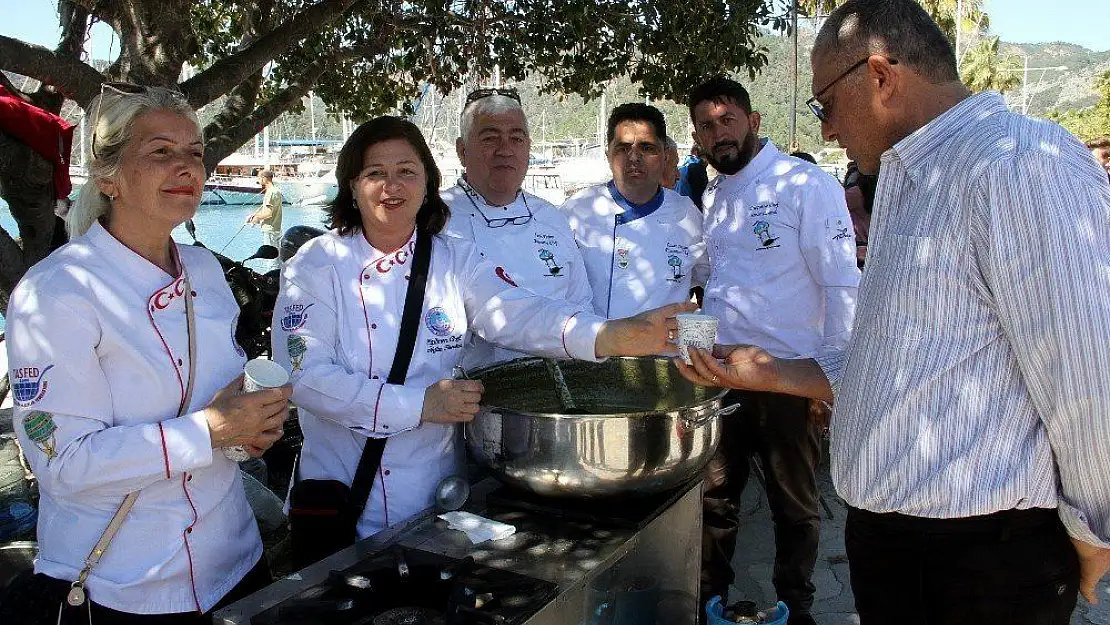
x: 74, y: 20
x: 229, y: 139
x: 77, y: 80
x: 229, y: 71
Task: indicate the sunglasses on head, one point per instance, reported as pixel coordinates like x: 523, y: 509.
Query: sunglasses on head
x: 478, y: 94
x: 821, y: 111
x: 122, y: 89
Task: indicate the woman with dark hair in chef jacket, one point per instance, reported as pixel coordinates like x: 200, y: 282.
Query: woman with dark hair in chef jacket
x: 341, y: 303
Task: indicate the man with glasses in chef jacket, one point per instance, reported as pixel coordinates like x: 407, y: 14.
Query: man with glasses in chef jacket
x: 526, y: 236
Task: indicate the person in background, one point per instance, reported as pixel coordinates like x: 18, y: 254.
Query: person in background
x: 805, y: 156
x: 344, y: 293
x: 1100, y: 149
x: 971, y: 434
x: 670, y: 165
x: 859, y: 193
x: 783, y: 275
x: 641, y: 242
x: 512, y: 228
x: 268, y: 216
x: 111, y: 397
x: 693, y: 176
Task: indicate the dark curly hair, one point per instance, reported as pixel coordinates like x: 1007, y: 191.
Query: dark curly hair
x: 342, y: 213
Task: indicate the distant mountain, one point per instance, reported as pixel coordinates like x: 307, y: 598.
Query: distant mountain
x: 1061, y: 90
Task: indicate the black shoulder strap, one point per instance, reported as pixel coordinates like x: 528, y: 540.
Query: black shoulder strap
x: 410, y: 324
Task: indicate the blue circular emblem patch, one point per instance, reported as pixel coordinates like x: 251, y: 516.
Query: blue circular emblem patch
x: 438, y: 321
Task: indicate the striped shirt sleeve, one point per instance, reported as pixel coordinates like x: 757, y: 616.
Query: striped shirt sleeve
x: 1048, y: 267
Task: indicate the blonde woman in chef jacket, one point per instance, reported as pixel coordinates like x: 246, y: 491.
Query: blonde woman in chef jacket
x: 340, y: 308
x: 99, y: 352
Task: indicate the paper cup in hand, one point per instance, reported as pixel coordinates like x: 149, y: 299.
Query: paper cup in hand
x: 695, y: 330
x: 259, y: 374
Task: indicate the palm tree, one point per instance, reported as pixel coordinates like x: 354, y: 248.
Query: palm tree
x: 985, y: 68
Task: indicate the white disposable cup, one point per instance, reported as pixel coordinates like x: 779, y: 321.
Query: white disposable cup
x: 695, y: 330
x: 259, y: 374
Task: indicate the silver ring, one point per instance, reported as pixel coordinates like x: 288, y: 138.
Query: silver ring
x: 716, y: 379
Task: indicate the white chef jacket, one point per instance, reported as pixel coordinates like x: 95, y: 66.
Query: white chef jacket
x: 99, y: 358
x: 638, y: 257
x: 782, y: 253
x: 337, y: 325
x: 541, y: 254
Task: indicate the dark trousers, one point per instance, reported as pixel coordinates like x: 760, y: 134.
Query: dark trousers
x: 38, y: 603
x: 1015, y: 567
x: 777, y: 428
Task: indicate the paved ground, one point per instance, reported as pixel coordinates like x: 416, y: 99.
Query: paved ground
x: 834, y: 604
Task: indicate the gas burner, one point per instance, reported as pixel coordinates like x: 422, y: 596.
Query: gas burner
x: 409, y: 616
x: 412, y: 587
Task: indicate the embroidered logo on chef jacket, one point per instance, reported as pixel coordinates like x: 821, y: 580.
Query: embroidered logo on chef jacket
x: 765, y: 209
x: 297, y: 348
x: 767, y: 238
x: 40, y: 429
x: 438, y: 321
x: 163, y: 298
x: 676, y: 259
x: 296, y: 315
x: 29, y: 385
x: 548, y: 258
x: 441, y: 325
x: 840, y: 230
x: 500, y: 271
x: 622, y: 257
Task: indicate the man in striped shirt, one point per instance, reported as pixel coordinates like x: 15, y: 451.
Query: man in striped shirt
x: 971, y: 432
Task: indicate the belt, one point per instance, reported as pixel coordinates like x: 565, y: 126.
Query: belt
x: 1004, y: 520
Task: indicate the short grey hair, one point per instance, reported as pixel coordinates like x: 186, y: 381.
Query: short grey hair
x: 490, y: 105
x: 900, y: 29
x: 112, y: 116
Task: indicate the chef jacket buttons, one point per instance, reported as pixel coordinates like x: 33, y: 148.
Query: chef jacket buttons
x: 193, y: 293
x: 188, y: 477
x: 188, y: 530
x: 386, y: 472
x: 373, y: 326
x: 366, y: 276
x: 373, y: 377
x: 180, y: 362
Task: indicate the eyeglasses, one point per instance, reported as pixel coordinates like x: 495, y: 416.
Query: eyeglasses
x: 123, y: 89
x: 478, y: 94
x: 820, y: 111
x: 497, y: 222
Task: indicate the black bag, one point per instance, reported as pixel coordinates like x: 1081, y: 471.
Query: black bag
x: 324, y: 514
x: 34, y: 599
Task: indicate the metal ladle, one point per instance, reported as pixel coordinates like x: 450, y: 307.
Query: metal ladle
x: 561, y: 389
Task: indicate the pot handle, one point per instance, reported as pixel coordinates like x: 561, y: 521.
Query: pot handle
x: 727, y: 410
x: 709, y: 416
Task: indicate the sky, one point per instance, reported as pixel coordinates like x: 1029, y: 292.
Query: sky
x: 1084, y: 22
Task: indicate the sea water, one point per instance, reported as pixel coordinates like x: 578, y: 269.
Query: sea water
x: 220, y: 228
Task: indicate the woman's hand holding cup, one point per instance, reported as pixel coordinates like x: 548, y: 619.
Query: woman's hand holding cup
x: 247, y: 416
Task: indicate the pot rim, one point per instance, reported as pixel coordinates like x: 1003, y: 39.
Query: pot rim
x: 702, y: 405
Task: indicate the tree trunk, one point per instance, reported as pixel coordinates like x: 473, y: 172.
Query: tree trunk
x: 27, y: 185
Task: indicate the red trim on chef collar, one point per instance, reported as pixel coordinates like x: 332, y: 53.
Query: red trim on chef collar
x: 386, y: 263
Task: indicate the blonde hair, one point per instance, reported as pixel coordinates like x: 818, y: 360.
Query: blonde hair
x: 113, y: 115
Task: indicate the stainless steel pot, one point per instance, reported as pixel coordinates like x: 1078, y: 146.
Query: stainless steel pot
x: 647, y: 428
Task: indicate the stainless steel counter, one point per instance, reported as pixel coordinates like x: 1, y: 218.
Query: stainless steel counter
x: 589, y: 563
